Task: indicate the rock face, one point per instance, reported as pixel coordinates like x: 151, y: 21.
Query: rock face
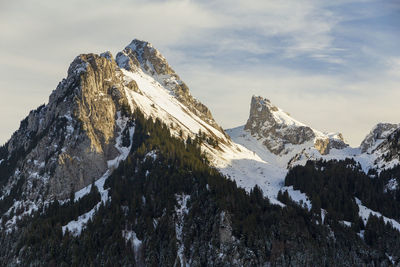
x: 377, y: 135
x: 325, y: 143
x: 140, y: 54
x: 383, y: 144
x: 390, y: 148
x: 277, y: 129
x: 69, y: 141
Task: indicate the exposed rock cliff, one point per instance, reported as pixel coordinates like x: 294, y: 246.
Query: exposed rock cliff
x: 277, y: 129
x: 377, y: 135
x: 68, y: 142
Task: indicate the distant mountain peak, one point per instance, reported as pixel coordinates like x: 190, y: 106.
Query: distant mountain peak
x: 262, y: 108
x: 277, y: 129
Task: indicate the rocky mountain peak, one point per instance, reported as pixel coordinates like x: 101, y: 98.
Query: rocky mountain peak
x: 142, y: 56
x: 277, y: 129
x: 274, y: 126
x: 377, y: 135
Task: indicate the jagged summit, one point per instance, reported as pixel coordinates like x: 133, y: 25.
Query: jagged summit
x: 277, y: 129
x: 142, y: 56
x: 262, y: 109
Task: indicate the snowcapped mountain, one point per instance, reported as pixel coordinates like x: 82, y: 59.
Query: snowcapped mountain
x: 69, y: 149
x: 84, y: 131
x: 280, y: 142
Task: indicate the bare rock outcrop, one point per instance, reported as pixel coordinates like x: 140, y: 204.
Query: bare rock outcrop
x: 277, y: 129
x: 274, y: 126
x: 66, y: 144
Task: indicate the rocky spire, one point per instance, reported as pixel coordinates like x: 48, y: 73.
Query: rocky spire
x: 141, y: 54
x: 276, y: 129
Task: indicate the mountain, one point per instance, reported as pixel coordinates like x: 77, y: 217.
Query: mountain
x: 124, y: 167
x: 382, y: 144
x: 377, y: 135
x: 278, y: 130
x: 84, y: 131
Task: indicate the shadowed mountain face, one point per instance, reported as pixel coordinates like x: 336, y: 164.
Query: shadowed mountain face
x: 67, y: 143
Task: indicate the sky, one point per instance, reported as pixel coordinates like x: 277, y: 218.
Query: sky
x: 333, y: 65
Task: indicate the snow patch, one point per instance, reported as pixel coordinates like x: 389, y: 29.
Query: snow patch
x: 157, y: 101
x: 136, y: 242
x: 391, y: 185
x: 298, y: 197
x: 181, y: 210
x: 323, y: 215
x: 345, y: 223
x: 364, y: 213
x: 361, y: 234
x: 19, y: 209
x: 75, y: 227
x: 152, y: 154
